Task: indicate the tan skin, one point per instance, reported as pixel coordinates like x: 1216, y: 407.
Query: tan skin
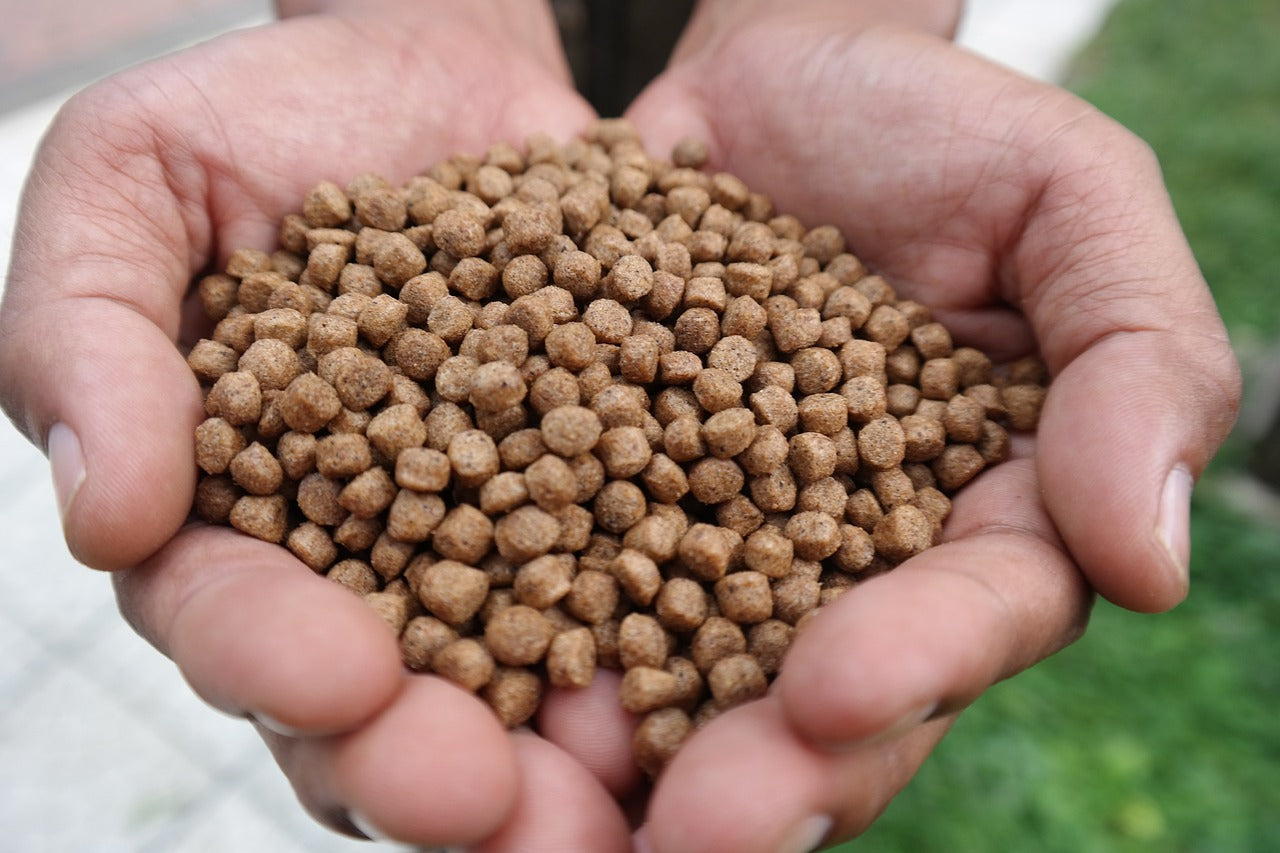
x: 1029, y: 221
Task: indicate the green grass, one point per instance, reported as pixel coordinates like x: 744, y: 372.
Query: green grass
x: 1200, y: 82
x: 1153, y: 733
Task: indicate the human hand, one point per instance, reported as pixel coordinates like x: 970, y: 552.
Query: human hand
x: 143, y: 182
x: 1029, y: 222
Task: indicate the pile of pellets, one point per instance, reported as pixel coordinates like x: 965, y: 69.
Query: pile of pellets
x: 575, y: 407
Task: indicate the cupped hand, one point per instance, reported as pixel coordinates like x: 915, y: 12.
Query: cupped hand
x: 143, y: 182
x: 1029, y: 222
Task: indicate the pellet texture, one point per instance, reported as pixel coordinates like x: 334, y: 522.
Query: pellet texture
x: 566, y: 407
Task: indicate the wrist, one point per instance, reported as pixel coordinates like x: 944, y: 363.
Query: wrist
x: 714, y: 19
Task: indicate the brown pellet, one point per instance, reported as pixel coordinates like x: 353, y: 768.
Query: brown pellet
x: 624, y: 451
x: 503, y: 493
x: 422, y: 469
x: 714, y: 481
x: 744, y: 597
x: 681, y: 604
x: 356, y: 575
x: 514, y: 694
x: 637, y: 573
x: 716, y: 390
x: 717, y: 638
x: 882, y: 443
x: 526, y: 533
x: 466, y: 662
x: 357, y: 533
x: 735, y: 679
x: 543, y: 581
x: 956, y: 465
x: 815, y: 535
x: 705, y: 551
x: 642, y: 641
x: 559, y: 407
x: 619, y: 505
x: 903, y: 532
x: 452, y: 591
x: 237, y: 398
x: 658, y: 737
x: 262, y: 517
x: 647, y: 688
x: 518, y: 635
x: 769, y: 552
x: 894, y: 486
x: 1023, y: 403
x: 571, y: 346
x: 812, y: 456
x: 571, y: 658
x: 795, y: 597
x: 311, y: 544
x: 473, y: 457
x: 412, y: 516
x: 368, y: 493
x: 217, y: 445
x: 768, y: 642
x: 857, y: 550
x: 464, y: 534
x: 570, y: 430
x: 993, y: 446
x: 729, y: 432
x: 396, y: 428
x: 593, y: 596
x: 939, y: 379
x: 421, y: 638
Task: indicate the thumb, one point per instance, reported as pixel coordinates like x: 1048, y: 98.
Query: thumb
x: 1146, y: 386
x: 114, y: 405
x: 88, y: 366
x: 1127, y: 428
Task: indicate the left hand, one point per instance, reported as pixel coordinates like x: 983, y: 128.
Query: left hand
x: 1029, y: 221
x: 143, y: 181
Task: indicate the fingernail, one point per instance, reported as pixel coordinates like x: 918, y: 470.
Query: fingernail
x: 268, y: 722
x: 366, y: 827
x: 372, y: 832
x: 905, y: 723
x: 901, y: 726
x: 640, y: 841
x: 66, y: 460
x: 1173, y: 526
x: 807, y: 835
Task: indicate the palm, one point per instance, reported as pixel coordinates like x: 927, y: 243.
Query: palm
x: 982, y: 195
x: 199, y: 154
x: 235, y: 132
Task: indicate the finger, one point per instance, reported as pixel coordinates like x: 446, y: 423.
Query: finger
x: 257, y: 633
x: 747, y: 783
x: 434, y: 768
x: 932, y: 634
x: 590, y: 725
x: 560, y: 806
x: 1146, y: 387
x: 120, y: 448
x: 1119, y: 487
x: 86, y: 336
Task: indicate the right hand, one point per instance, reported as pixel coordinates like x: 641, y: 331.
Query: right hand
x: 1027, y: 221
x: 148, y: 179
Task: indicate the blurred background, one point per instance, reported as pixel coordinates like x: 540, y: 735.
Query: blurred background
x: 1153, y: 733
